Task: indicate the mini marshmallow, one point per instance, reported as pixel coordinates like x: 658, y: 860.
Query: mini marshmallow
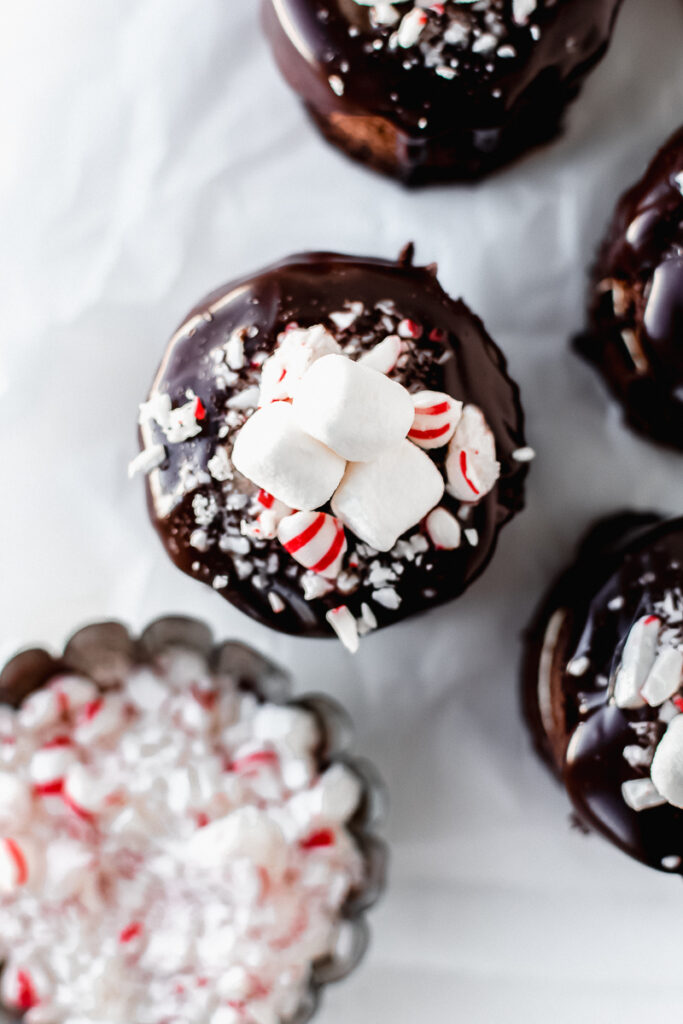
x: 471, y: 465
x: 274, y: 453
x: 667, y: 765
x: 444, y: 529
x: 436, y: 417
x: 637, y: 660
x: 315, y: 540
x: 665, y: 677
x: 357, y: 412
x: 384, y: 356
x: 380, y: 500
x: 297, y: 350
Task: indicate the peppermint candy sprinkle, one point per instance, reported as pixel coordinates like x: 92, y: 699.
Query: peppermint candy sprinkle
x: 186, y: 861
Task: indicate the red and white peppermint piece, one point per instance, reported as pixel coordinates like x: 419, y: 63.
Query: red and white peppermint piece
x: 50, y: 764
x: 664, y: 678
x: 73, y: 692
x: 637, y: 659
x: 667, y: 765
x: 18, y: 862
x: 345, y: 626
x: 22, y: 986
x: 298, y: 348
x: 411, y: 27
x: 102, y: 717
x: 471, y: 465
x: 436, y: 417
x: 15, y: 799
x: 315, y: 540
x: 384, y: 356
x: 444, y: 529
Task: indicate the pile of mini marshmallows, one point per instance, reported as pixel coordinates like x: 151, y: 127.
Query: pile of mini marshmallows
x: 333, y: 429
x: 169, y: 851
x: 650, y: 674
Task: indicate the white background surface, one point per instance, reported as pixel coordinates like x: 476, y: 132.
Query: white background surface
x: 149, y: 153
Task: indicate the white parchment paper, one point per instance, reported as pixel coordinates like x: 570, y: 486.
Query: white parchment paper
x: 150, y: 152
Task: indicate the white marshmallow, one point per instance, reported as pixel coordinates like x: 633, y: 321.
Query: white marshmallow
x: 436, y: 417
x: 664, y: 678
x: 667, y: 766
x: 380, y: 500
x: 471, y: 465
x: 315, y: 540
x: 444, y: 529
x: 247, y: 832
x: 274, y: 453
x: 637, y: 660
x: 298, y: 349
x: 15, y: 800
x: 384, y: 356
x: 357, y: 412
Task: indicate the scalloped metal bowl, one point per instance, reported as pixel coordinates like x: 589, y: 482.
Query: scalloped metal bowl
x: 105, y: 651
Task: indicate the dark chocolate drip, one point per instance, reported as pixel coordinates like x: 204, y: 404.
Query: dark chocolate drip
x: 489, y: 106
x: 635, y: 334
x: 629, y: 563
x: 454, y: 355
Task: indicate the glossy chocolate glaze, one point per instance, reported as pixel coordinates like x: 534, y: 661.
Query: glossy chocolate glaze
x: 576, y: 727
x: 635, y: 334
x: 399, y: 115
x: 454, y: 354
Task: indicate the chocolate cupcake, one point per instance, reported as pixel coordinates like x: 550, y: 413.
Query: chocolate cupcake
x: 333, y: 444
x: 177, y: 841
x: 438, y: 91
x: 603, y: 685
x: 635, y: 332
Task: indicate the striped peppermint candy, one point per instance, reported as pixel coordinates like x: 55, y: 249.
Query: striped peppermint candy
x: 471, y: 465
x: 436, y: 417
x: 315, y: 540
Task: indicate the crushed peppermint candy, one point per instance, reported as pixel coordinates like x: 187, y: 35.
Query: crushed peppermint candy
x: 186, y: 859
x: 446, y: 35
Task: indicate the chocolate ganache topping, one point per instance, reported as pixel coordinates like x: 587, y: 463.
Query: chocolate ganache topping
x: 635, y: 334
x: 428, y: 91
x: 276, y: 395
x: 603, y: 685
